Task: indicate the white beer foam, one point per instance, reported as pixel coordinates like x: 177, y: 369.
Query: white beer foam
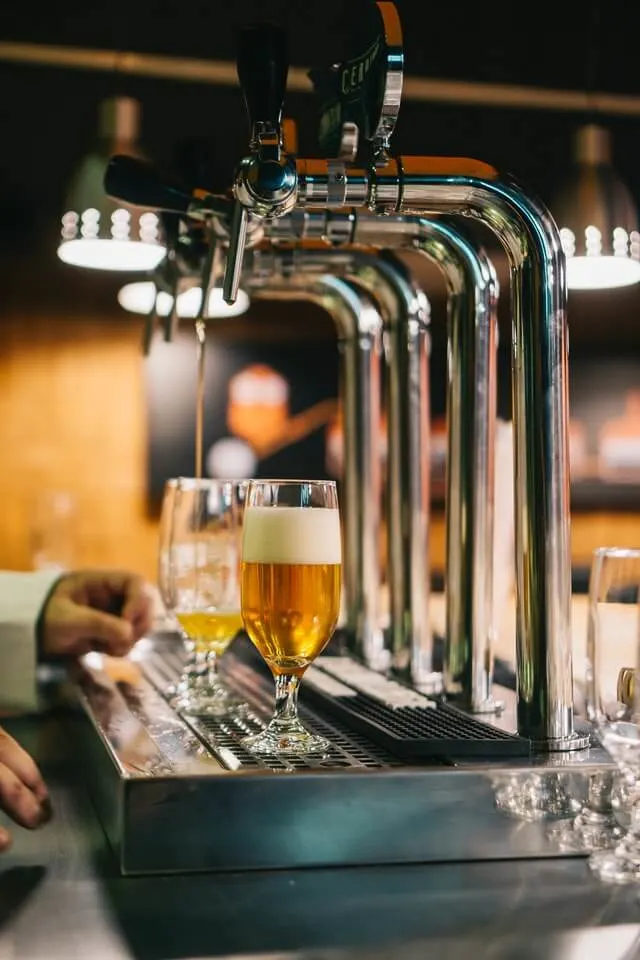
x: 291, y: 535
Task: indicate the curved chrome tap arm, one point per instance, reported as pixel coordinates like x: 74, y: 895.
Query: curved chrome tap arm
x: 407, y: 345
x: 471, y: 419
x: 540, y: 410
x: 472, y: 294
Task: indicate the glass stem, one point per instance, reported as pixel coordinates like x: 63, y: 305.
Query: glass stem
x: 199, y: 670
x: 286, y: 708
x: 187, y: 677
x: 213, y: 675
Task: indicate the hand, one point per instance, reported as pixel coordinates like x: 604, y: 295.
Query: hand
x: 107, y: 611
x: 23, y: 794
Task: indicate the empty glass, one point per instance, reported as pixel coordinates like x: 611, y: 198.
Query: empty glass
x: 164, y: 585
x: 203, y: 588
x: 612, y: 689
x: 291, y: 579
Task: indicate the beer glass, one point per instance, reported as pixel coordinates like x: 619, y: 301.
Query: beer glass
x: 613, y: 690
x: 164, y: 582
x: 290, y: 595
x: 202, y: 572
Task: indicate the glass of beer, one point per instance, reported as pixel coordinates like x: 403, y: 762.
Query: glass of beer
x: 202, y: 574
x: 290, y: 595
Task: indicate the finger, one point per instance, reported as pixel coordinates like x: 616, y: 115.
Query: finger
x: 18, y: 801
x: 5, y: 840
x: 103, y: 632
x: 99, y: 588
x: 18, y: 760
x: 136, y: 598
x: 138, y: 610
x: 127, y: 585
x: 142, y: 623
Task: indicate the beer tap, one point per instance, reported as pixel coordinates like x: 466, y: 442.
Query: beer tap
x: 195, y: 221
x: 142, y: 183
x: 427, y: 186
x: 266, y: 181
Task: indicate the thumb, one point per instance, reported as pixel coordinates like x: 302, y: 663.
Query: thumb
x: 102, y: 631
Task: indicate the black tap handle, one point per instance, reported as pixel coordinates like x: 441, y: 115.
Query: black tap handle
x: 138, y: 184
x: 262, y: 71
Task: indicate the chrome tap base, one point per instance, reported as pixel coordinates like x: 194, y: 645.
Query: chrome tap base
x: 577, y: 741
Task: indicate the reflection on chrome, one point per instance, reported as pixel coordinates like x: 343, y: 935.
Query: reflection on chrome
x: 537, y: 796
x: 596, y: 826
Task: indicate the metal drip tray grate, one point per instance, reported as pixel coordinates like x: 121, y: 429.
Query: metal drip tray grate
x: 404, y: 721
x: 369, y: 720
x: 417, y: 733
x: 223, y: 735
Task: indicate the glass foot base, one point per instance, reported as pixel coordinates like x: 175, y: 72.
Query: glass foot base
x: 616, y: 866
x: 208, y: 701
x: 586, y: 833
x: 286, y: 741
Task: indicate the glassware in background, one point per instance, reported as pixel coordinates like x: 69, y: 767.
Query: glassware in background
x: 53, y: 531
x: 291, y: 580
x: 202, y: 585
x: 613, y: 690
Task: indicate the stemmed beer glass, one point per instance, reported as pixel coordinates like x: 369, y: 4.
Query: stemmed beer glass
x: 164, y: 583
x: 290, y: 595
x: 613, y: 690
x: 203, y: 587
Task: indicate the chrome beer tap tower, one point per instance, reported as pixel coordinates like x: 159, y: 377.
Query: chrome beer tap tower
x: 422, y: 765
x: 360, y: 196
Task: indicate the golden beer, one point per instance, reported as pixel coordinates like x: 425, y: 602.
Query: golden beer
x: 211, y: 630
x: 290, y: 583
x: 290, y: 611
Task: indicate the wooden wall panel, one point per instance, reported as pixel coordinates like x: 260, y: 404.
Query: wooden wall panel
x: 72, y: 419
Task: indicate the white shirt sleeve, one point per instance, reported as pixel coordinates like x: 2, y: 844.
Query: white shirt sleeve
x: 22, y: 596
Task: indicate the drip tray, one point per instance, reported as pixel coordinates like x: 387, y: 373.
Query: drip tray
x: 182, y: 794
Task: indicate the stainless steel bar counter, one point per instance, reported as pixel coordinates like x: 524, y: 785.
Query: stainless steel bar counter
x: 62, y: 896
